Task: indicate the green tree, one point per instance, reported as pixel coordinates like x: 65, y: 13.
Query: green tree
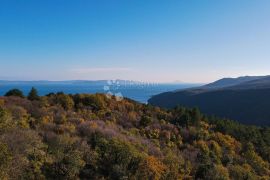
x: 145, y: 121
x: 239, y: 172
x: 195, y: 117
x: 203, y: 171
x: 258, y: 164
x: 117, y: 159
x: 5, y: 120
x: 182, y: 117
x: 68, y: 159
x: 175, y: 166
x: 15, y: 92
x: 96, y: 102
x: 65, y: 101
x: 33, y: 94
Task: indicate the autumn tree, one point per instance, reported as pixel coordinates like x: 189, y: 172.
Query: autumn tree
x: 5, y: 160
x: 65, y: 101
x: 151, y: 168
x: 5, y: 120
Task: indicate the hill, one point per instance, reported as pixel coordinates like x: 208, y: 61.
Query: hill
x: 262, y: 83
x: 245, y: 99
x: 228, y: 82
x: 88, y: 136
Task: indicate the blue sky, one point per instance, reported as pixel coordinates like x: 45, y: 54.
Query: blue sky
x: 147, y: 40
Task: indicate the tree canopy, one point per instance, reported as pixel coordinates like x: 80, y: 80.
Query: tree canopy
x: 33, y: 94
x: 89, y: 136
x: 15, y: 92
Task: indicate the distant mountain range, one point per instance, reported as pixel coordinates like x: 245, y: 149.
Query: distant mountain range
x: 245, y: 99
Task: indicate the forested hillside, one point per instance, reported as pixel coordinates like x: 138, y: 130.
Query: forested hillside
x: 243, y: 99
x: 84, y: 136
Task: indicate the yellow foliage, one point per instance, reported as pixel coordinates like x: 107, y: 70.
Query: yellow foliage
x: 228, y: 142
x: 261, y: 166
x: 2, y: 102
x: 214, y: 146
x: 93, y: 124
x: 151, y: 168
x: 46, y: 119
x: 220, y: 173
x: 202, y: 146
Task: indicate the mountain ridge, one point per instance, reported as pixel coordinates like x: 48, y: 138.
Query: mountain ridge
x: 243, y: 99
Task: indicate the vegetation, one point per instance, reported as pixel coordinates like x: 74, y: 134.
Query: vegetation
x: 247, y: 105
x: 33, y: 94
x: 15, y: 92
x: 85, y: 136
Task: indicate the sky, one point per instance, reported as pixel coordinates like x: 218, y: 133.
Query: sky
x: 145, y: 40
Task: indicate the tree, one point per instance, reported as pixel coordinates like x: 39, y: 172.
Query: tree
x: 33, y: 94
x: 20, y: 116
x: 65, y: 101
x: 195, y: 116
x: 175, y: 166
x: 203, y: 171
x: 15, y: 92
x: 182, y: 117
x: 95, y: 102
x: 28, y: 154
x: 151, y: 168
x: 68, y: 159
x: 5, y: 120
x: 118, y: 160
x: 5, y: 159
x: 258, y: 164
x: 239, y: 172
x: 145, y: 121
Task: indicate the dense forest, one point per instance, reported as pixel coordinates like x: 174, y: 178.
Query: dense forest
x: 93, y: 136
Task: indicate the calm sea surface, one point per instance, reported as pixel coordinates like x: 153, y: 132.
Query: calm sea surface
x: 141, y: 92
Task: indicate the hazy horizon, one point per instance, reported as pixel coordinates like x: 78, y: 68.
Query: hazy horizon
x: 149, y: 41
x: 127, y: 80
x: 141, y: 81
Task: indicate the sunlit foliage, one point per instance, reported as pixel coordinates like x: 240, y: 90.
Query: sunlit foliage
x: 87, y: 136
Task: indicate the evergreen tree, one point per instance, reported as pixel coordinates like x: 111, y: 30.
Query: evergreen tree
x: 195, y: 117
x: 33, y: 94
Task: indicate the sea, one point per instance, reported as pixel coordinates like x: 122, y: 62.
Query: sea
x: 140, y: 92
